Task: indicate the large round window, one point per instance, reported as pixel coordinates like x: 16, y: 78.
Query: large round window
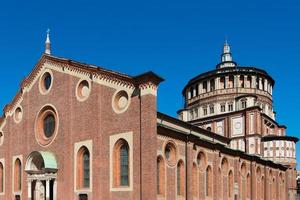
x: 46, y: 125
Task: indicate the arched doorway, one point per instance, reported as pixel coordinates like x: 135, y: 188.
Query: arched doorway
x: 41, y: 168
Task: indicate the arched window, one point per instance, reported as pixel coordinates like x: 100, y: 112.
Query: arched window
x: 121, y: 163
x: 230, y: 184
x: 212, y: 84
x: 231, y: 81
x: 262, y: 193
x: 248, y: 186
x: 195, y: 180
x: 249, y: 81
x: 192, y: 92
x: 258, y: 183
x: 1, y: 178
x: 160, y: 176
x: 124, y: 165
x: 83, y: 168
x: 242, y: 81
x: 180, y: 178
x: 224, y: 165
x: 222, y: 83
x: 274, y: 188
x: 219, y: 178
x: 204, y: 86
x: 208, y: 182
x: 18, y: 175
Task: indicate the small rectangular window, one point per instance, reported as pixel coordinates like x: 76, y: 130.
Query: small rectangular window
x: 222, y: 108
x: 230, y: 107
x: 211, y: 109
x: 244, y: 104
x: 204, y: 111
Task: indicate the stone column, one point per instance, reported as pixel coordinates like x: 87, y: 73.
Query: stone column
x: 200, y: 88
x: 253, y: 78
x: 238, y: 81
x: 208, y: 86
x: 54, y: 189
x: 47, y: 189
x: 29, y: 189
x: 217, y: 82
x: 189, y: 95
x: 260, y: 84
x: 266, y: 85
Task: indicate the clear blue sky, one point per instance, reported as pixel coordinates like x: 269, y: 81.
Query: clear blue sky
x: 175, y: 39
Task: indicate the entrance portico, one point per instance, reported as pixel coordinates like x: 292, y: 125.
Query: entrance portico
x: 41, y: 168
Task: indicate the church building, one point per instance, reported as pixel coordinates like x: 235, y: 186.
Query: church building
x: 76, y: 131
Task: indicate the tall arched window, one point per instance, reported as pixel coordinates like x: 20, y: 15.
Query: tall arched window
x: 222, y: 82
x: 248, y: 186
x: 160, y: 176
x: 18, y: 175
x: 249, y: 81
x: 212, y: 84
x: 1, y: 178
x: 258, y: 183
x: 83, y: 168
x: 242, y: 81
x: 204, y: 86
x: 195, y: 180
x: 262, y: 188
x: 208, y: 182
x: 124, y: 165
x: 219, y: 178
x: 230, y: 184
x: 180, y: 178
x: 273, y: 188
x: 121, y: 163
x: 192, y: 92
x: 231, y: 81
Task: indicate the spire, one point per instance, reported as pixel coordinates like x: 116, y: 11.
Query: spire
x: 48, y: 43
x: 226, y: 57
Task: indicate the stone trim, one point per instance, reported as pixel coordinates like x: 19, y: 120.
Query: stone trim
x: 89, y: 145
x: 20, y: 157
x: 113, y: 139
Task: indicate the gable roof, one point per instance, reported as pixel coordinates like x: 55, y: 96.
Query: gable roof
x: 92, y: 71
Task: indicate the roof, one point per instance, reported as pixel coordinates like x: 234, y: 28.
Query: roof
x: 228, y: 70
x: 192, y: 128
x: 276, y: 137
x: 212, y: 144
x: 92, y: 70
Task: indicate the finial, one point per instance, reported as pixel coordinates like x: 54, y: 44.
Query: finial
x: 48, y: 43
x: 226, y: 43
